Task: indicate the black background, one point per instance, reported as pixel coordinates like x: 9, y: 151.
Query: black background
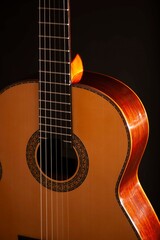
x: 118, y: 38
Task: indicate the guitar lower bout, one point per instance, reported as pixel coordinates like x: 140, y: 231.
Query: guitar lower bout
x: 101, y: 197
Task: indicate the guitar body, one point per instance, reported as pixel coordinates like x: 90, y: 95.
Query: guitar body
x: 111, y: 123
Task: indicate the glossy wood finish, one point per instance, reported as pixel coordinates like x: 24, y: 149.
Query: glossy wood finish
x: 131, y: 193
x: 113, y: 126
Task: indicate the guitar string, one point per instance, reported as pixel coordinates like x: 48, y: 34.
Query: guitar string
x: 66, y: 34
x: 48, y: 146
x: 65, y: 48
x: 45, y: 99
x: 40, y: 120
x: 50, y: 114
x: 56, y: 127
x: 62, y: 76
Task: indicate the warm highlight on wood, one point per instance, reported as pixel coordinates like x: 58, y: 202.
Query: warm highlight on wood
x: 112, y: 124
x: 76, y: 69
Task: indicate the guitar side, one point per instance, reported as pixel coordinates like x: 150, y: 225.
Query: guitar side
x: 112, y: 124
x: 130, y: 191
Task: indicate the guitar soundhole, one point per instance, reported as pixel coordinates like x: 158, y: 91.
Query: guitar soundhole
x: 58, y: 159
x: 60, y: 168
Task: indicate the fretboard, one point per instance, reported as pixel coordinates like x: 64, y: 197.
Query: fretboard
x: 54, y: 70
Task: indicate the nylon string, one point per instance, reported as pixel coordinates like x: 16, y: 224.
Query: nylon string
x: 40, y: 120
x: 50, y: 105
x: 45, y: 99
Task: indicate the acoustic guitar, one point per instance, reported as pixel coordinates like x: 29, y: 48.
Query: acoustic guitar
x: 70, y: 148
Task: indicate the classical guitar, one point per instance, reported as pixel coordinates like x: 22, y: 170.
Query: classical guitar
x: 70, y: 148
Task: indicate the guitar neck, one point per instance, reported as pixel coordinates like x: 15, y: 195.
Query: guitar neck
x: 54, y: 70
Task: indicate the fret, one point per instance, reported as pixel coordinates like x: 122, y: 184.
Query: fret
x: 56, y: 118
x: 46, y: 68
x: 47, y: 77
x: 54, y: 121
x: 55, y: 93
x: 55, y: 126
x: 52, y: 37
x: 56, y: 62
x: 53, y: 9
x: 47, y: 117
x: 55, y: 129
x: 56, y: 132
x: 57, y: 73
x: 54, y: 106
x: 54, y: 115
x: 59, y: 128
x: 54, y: 83
x: 56, y: 102
x: 56, y: 9
x: 54, y: 23
x: 62, y: 114
x: 60, y: 132
x: 55, y: 110
x: 51, y: 49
